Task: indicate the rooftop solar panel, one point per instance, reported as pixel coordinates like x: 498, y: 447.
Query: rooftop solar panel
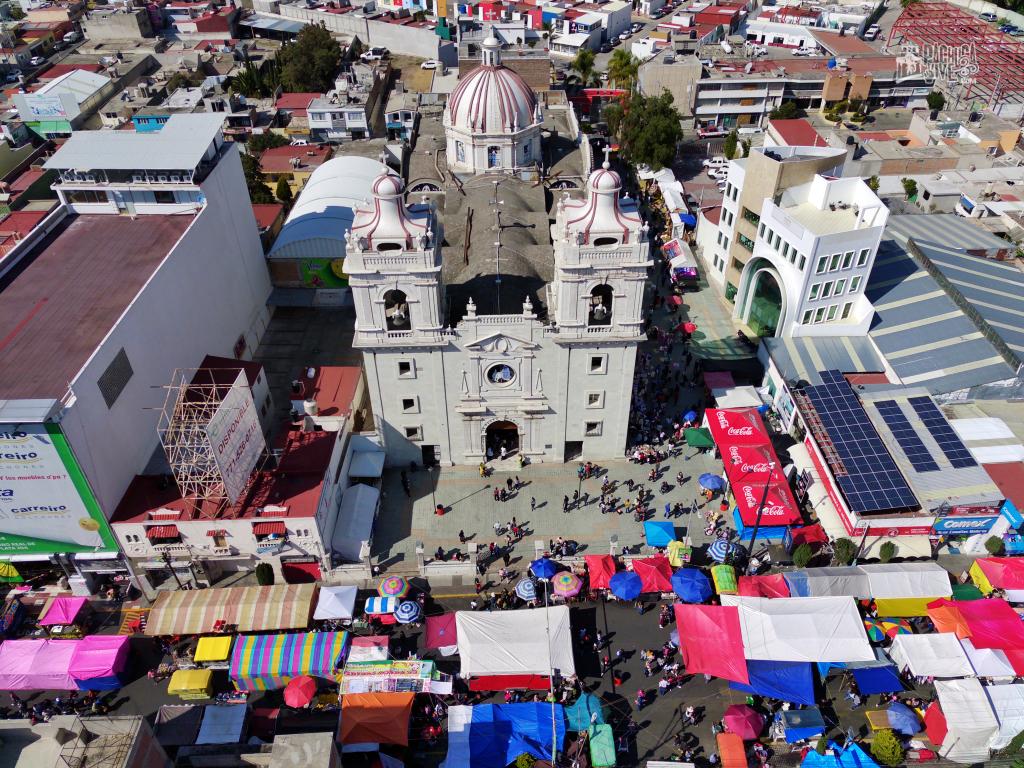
x: 869, y: 478
x: 944, y: 435
x: 901, y: 428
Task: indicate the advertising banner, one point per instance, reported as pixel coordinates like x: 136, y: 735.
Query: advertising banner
x: 323, y: 273
x: 46, y: 505
x: 963, y: 526
x: 236, y: 438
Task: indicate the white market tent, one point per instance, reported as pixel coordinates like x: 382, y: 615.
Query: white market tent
x: 839, y: 581
x: 937, y: 655
x: 1008, y: 704
x: 895, y: 580
x: 737, y: 397
x: 531, y: 642
x: 335, y: 603
x: 988, y: 662
x: 970, y: 722
x: 801, y: 629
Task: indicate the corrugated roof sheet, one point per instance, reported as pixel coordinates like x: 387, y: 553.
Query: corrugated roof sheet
x: 802, y: 357
x: 944, y: 228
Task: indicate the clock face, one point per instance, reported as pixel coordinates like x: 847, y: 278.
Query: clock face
x: 500, y: 374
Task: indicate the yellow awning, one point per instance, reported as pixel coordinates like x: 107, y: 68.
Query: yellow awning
x: 188, y: 680
x: 979, y: 578
x: 903, y: 606
x: 216, y: 648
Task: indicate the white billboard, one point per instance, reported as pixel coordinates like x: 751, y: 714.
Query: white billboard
x: 236, y: 438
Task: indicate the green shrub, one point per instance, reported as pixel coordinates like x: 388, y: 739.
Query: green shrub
x: 265, y: 574
x: 803, y: 555
x: 843, y: 551
x: 887, y: 551
x: 994, y: 545
x: 886, y: 748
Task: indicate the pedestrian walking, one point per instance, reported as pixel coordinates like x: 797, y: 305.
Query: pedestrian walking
x: 518, y: 483
x: 565, y: 504
x: 506, y: 558
x: 508, y: 484
x: 478, y: 586
x: 533, y: 504
x: 462, y: 536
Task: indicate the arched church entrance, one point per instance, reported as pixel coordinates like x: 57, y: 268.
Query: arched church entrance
x: 762, y: 305
x: 501, y: 435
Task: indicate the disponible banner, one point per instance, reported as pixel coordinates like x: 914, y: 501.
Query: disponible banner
x: 46, y: 505
x: 236, y: 438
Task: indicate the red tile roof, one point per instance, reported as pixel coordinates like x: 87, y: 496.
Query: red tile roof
x: 279, y: 159
x: 25, y: 180
x: 163, y: 532
x: 797, y: 133
x: 333, y: 387
x: 268, y: 529
x: 858, y: 65
x: 266, y: 214
x: 295, y: 102
x: 59, y: 70
x: 1009, y: 479
x: 842, y: 45
x: 713, y: 214
x: 20, y: 223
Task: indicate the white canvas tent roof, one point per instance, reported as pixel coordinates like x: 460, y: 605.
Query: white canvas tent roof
x: 937, y: 655
x: 355, y: 520
x: 515, y: 642
x: 1008, y: 704
x: 837, y: 582
x: 907, y: 580
x: 970, y: 721
x: 737, y: 397
x: 335, y: 603
x: 801, y: 629
x: 988, y: 662
x: 369, y: 463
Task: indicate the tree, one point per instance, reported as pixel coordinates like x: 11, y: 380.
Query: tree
x: 261, y: 142
x: 257, y: 82
x: 16, y: 12
x: 525, y: 760
x: 822, y: 746
x: 1014, y: 746
x: 886, y: 748
x: 310, y: 64
x: 905, y: 3
x: 648, y: 129
x: 909, y: 187
x: 873, y: 183
x: 283, y: 191
x: 843, y: 551
x: 803, y: 555
x: 994, y: 545
x: 730, y: 144
x: 259, y: 192
x: 787, y: 110
x: 936, y: 100
x: 265, y: 574
x: 583, y: 66
x: 622, y: 68
x: 887, y: 551
x: 178, y: 80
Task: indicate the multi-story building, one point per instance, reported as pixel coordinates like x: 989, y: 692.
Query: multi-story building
x: 352, y: 109
x: 402, y: 114
x: 62, y: 105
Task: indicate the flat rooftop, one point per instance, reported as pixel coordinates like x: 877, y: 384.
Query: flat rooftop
x: 63, y: 297
x: 822, y: 222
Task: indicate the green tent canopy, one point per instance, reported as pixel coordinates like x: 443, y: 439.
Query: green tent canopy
x: 966, y: 592
x: 699, y: 438
x: 602, y: 745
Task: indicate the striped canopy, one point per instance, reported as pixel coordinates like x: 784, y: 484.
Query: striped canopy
x: 250, y: 609
x: 266, y: 662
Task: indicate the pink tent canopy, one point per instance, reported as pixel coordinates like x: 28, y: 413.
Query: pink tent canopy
x: 441, y: 631
x: 711, y: 640
x: 655, y: 573
x: 773, y: 585
x: 27, y: 665
x: 62, y: 610
x: 990, y: 623
x: 99, y: 656
x: 600, y: 569
x: 1003, y: 572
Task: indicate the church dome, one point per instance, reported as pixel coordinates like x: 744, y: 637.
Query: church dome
x: 492, y: 98
x: 605, y: 180
x: 387, y: 185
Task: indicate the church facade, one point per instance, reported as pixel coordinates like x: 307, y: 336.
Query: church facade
x: 552, y: 385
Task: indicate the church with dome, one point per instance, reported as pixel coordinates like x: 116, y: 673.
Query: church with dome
x: 501, y: 316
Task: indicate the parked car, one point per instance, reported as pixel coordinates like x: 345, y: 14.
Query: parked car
x: 637, y: 28
x: 872, y: 32
x: 805, y: 52
x: 72, y: 37
x: 988, y: 17
x: 718, y: 161
x: 625, y: 36
x: 431, y: 64
x: 37, y: 61
x: 374, y: 54
x: 712, y: 131
x: 606, y: 48
x: 12, y: 77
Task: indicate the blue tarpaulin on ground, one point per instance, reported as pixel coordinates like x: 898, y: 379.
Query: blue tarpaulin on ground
x: 659, y: 533
x: 801, y: 724
x: 850, y: 757
x: 579, y: 713
x: 791, y: 681
x: 877, y: 680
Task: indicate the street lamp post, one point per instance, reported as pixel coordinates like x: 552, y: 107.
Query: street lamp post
x: 760, y: 511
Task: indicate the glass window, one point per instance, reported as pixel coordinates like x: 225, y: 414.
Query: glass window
x: 822, y: 265
x: 819, y: 314
x: 832, y: 311
x: 827, y: 290
x: 815, y: 291
x: 803, y: 261
x: 807, y: 317
x: 840, y: 285
x: 862, y: 259
x: 785, y: 250
x: 847, y: 259
x: 719, y: 237
x: 834, y: 263
x: 854, y: 284
x: 760, y: 231
x: 846, y: 309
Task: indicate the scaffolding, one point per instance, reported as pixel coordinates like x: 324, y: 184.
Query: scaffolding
x: 100, y: 742
x: 964, y: 51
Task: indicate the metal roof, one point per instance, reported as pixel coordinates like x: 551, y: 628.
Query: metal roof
x: 179, y: 146
x: 925, y: 337
x: 276, y: 25
x: 945, y: 228
x: 801, y: 358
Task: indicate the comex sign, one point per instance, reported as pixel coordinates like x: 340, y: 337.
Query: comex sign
x: 963, y: 526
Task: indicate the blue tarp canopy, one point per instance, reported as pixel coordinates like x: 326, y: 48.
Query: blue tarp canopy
x: 659, y: 533
x: 494, y: 735
x: 691, y: 585
x: 801, y: 724
x: 877, y: 680
x: 688, y: 219
x: 579, y: 713
x: 765, y: 532
x: 791, y: 681
x: 850, y: 757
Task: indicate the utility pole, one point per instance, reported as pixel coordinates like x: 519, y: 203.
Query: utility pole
x: 760, y: 511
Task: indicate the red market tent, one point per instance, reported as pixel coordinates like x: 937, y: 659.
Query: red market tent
x: 377, y: 718
x: 711, y: 641
x: 1003, y: 572
x: 814, y: 535
x: 441, y: 631
x: 774, y: 585
x: 655, y: 573
x: 935, y: 724
x: 600, y: 569
x: 779, y: 505
x: 736, y: 426
x: 752, y: 464
x: 988, y: 623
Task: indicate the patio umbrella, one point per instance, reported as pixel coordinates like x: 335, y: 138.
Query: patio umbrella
x: 659, y: 532
x: 526, y: 590
x: 626, y: 585
x: 719, y: 550
x: 407, y: 612
x: 903, y: 719
x: 543, y: 568
x: 874, y: 630
x: 893, y: 627
x: 299, y: 691
x: 743, y: 721
x: 710, y: 482
x: 393, y: 586
x: 689, y: 416
x: 691, y: 585
x: 9, y: 573
x: 566, y: 584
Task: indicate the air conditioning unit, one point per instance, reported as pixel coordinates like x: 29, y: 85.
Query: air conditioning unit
x: 176, y: 179
x: 162, y: 179
x: 89, y: 177
x: 137, y: 179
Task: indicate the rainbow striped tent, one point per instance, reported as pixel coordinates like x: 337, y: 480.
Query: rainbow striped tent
x: 265, y: 662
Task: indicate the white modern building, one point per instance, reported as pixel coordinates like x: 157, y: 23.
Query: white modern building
x: 492, y: 119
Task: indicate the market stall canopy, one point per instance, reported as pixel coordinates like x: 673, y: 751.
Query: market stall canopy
x: 769, y: 585
x: 62, y: 610
x: 970, y: 722
x: 223, y: 724
x: 600, y: 569
x: 98, y: 661
x: 442, y: 631
x: 659, y: 533
x: 187, y: 681
x: 872, y: 680
x: 711, y: 641
x: 602, y: 745
x: 537, y: 641
x: 177, y: 725
x: 581, y: 711
x: 801, y: 724
x: 378, y: 718
x: 37, y: 664
x: 1005, y: 573
x: 737, y: 397
x: 934, y: 655
x: 1008, y: 705
x: 988, y: 662
x: 988, y: 623
x: 691, y: 585
x: 213, y: 648
x: 697, y: 437
x: 249, y: 609
x: 354, y: 525
x: 791, y: 681
x: 850, y: 756
x: 267, y: 662
x: 494, y: 735
x: 740, y: 426
x: 839, y: 581
x: 801, y: 629
x: 731, y: 750
x: 655, y: 573
x: 368, y: 648
x: 335, y: 603
x: 368, y: 463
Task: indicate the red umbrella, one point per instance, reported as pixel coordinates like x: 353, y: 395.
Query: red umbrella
x: 689, y: 327
x: 743, y: 721
x: 299, y: 691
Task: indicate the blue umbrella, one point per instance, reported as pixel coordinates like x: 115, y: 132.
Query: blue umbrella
x: 543, y: 568
x: 526, y: 590
x: 689, y: 416
x: 407, y: 612
x: 659, y: 533
x: 903, y: 719
x: 625, y: 585
x: 719, y: 550
x: 710, y: 481
x: 691, y: 585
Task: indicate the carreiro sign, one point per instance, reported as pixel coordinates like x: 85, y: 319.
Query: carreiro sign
x: 236, y: 438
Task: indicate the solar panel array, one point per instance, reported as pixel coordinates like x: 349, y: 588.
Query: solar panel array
x: 873, y: 482
x: 944, y: 435
x: 920, y: 457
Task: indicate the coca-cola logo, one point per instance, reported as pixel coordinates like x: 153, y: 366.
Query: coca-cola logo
x: 722, y: 421
x: 774, y: 509
x: 744, y: 431
x: 762, y: 467
x: 748, y: 496
x: 734, y: 454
